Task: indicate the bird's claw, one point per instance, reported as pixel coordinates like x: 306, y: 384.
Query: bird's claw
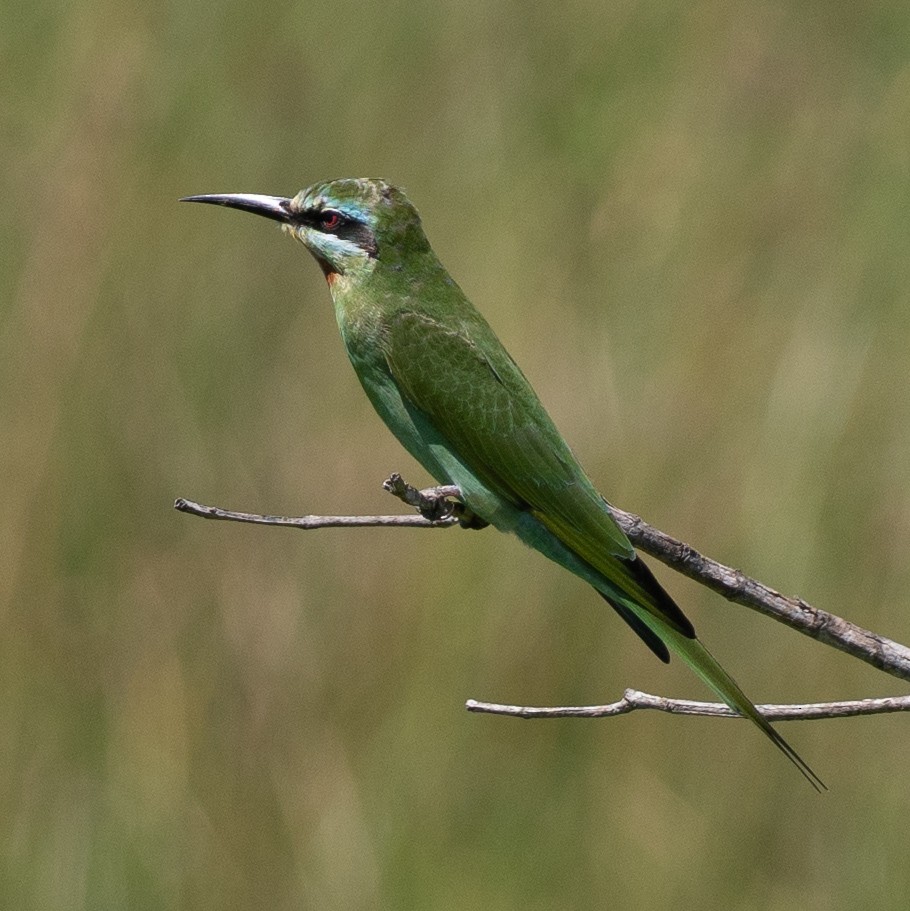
x: 435, y: 504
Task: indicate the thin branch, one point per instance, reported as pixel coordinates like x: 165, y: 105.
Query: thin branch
x: 634, y: 699
x: 439, y: 508
x: 308, y: 523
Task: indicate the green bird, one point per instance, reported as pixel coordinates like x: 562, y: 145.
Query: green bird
x: 450, y: 392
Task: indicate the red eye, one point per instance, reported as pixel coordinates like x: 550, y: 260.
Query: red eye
x: 329, y: 220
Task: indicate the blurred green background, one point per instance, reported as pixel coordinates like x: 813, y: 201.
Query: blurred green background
x: 689, y: 223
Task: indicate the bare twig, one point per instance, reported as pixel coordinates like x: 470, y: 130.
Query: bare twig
x: 437, y: 510
x: 311, y: 522
x: 634, y: 699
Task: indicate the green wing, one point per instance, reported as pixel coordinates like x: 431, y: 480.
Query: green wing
x: 482, y: 404
x: 471, y: 390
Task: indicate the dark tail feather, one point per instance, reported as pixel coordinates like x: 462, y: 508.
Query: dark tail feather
x: 662, y: 601
x: 663, y: 604
x: 643, y: 631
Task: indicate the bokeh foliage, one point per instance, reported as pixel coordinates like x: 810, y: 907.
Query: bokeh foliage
x: 689, y: 223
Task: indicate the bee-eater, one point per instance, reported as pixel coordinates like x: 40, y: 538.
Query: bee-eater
x: 448, y: 389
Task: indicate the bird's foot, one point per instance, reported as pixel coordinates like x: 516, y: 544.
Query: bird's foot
x: 435, y: 504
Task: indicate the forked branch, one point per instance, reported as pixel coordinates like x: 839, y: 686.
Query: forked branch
x: 439, y: 507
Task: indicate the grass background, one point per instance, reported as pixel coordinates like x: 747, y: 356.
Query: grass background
x: 689, y: 223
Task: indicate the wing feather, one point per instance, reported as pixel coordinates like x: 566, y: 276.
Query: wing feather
x: 483, y: 405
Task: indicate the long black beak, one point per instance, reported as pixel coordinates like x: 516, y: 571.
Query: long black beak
x: 274, y: 207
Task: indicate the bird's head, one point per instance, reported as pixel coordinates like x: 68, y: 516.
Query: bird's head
x: 349, y: 225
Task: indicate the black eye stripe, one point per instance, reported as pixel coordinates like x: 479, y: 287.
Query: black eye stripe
x: 324, y: 219
x: 332, y: 221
